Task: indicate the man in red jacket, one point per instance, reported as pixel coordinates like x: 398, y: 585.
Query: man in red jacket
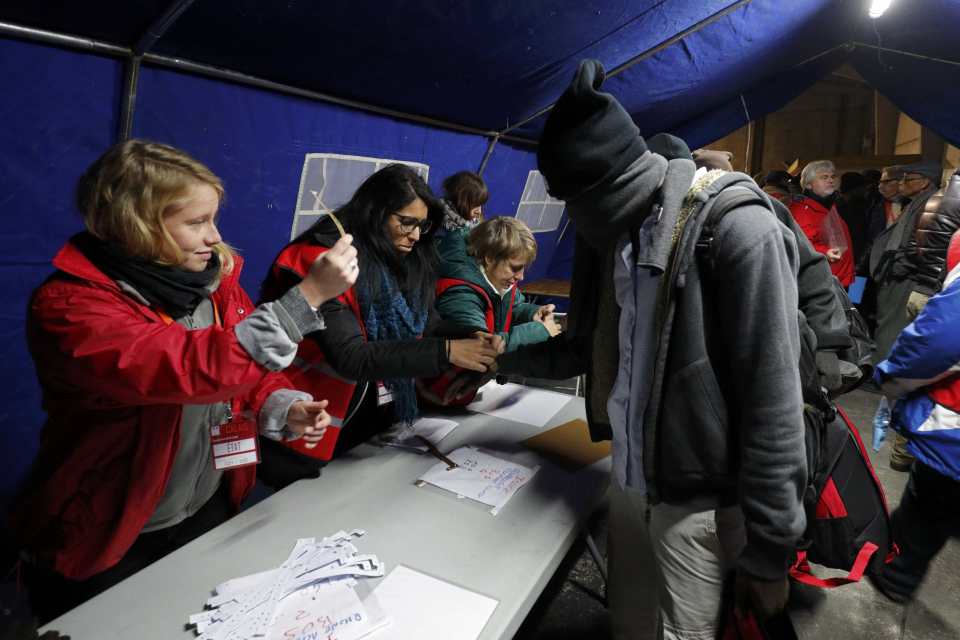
x: 815, y: 212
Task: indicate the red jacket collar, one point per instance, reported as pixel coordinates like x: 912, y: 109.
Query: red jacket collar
x: 72, y: 261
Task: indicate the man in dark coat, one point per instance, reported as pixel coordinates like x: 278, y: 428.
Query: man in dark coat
x: 900, y: 294
x: 708, y: 433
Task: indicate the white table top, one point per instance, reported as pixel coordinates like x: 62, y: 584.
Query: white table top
x: 510, y: 557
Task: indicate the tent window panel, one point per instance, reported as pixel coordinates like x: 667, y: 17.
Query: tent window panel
x: 304, y: 221
x: 550, y: 219
x: 541, y: 212
x: 342, y: 179
x: 328, y: 181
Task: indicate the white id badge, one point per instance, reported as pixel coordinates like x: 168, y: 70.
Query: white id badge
x: 384, y: 395
x: 234, y: 444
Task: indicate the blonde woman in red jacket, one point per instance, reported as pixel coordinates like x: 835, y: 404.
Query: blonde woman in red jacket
x: 149, y: 354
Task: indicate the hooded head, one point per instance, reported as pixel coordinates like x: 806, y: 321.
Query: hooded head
x: 589, y: 137
x: 593, y: 157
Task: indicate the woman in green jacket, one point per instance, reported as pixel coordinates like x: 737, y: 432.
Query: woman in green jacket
x: 478, y: 287
x: 464, y: 194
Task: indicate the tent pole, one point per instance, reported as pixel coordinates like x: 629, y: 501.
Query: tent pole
x: 903, y: 53
x: 131, y: 76
x: 61, y: 40
x: 128, y: 98
x: 486, y: 156
x: 160, y: 26
x: 645, y: 54
x: 180, y: 64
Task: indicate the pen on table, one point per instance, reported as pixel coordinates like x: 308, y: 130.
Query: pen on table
x: 436, y: 453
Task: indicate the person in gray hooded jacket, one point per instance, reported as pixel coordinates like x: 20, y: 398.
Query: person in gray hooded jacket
x: 692, y: 370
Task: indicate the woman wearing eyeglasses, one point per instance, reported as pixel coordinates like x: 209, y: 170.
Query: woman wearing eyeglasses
x: 381, y: 333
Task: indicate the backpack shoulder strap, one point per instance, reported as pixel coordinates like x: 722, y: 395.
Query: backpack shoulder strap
x: 725, y: 202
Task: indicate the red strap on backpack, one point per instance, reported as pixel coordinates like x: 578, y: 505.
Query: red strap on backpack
x: 801, y: 572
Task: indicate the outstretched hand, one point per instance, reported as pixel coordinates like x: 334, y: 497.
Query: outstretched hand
x: 308, y: 420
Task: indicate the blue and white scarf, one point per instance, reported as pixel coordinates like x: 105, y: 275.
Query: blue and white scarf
x: 387, y: 316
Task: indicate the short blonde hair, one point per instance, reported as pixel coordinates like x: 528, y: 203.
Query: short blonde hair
x: 812, y: 169
x: 499, y: 239
x: 124, y: 195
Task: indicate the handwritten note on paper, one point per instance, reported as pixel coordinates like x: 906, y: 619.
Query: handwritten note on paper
x: 427, y: 608
x: 325, y: 612
x: 480, y: 476
x: 518, y: 403
x: 433, y: 429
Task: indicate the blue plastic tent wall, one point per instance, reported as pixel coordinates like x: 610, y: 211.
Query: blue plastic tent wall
x: 64, y: 115
x: 699, y: 69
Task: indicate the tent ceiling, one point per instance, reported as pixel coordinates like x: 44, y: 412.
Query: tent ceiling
x: 491, y: 65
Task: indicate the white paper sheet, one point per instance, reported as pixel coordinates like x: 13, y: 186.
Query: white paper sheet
x: 433, y: 429
x: 518, y: 403
x: 309, y: 596
x: 424, y: 608
x: 480, y: 476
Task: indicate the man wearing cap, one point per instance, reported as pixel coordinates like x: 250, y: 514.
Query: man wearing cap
x: 776, y: 184
x: 691, y: 363
x: 893, y: 266
x: 885, y: 206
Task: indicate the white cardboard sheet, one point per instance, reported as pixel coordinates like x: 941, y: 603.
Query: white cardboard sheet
x: 519, y: 403
x: 426, y: 608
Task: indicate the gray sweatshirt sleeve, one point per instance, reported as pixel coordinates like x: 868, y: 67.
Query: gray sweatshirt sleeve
x: 271, y: 333
x: 273, y: 415
x: 757, y: 258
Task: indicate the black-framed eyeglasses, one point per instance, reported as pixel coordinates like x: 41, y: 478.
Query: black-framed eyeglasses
x: 888, y: 180
x: 913, y: 178
x: 409, y: 223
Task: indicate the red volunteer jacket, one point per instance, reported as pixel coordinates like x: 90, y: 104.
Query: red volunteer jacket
x: 310, y: 371
x: 810, y: 215
x: 114, y: 375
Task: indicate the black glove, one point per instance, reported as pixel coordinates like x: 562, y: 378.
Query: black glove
x: 765, y: 598
x: 828, y: 365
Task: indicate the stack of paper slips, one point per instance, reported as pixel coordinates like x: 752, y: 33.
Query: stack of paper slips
x: 310, y: 595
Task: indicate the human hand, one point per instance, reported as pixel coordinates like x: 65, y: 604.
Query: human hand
x: 833, y: 255
x: 544, y: 311
x: 332, y: 273
x: 477, y: 353
x: 765, y: 597
x: 544, y: 316
x: 915, y: 303
x: 495, y: 341
x: 308, y: 420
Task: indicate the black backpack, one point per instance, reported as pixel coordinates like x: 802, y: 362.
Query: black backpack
x: 848, y: 522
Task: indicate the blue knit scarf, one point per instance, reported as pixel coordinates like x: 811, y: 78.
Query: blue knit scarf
x: 388, y: 316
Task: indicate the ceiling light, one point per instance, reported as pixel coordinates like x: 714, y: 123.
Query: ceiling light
x: 878, y: 7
